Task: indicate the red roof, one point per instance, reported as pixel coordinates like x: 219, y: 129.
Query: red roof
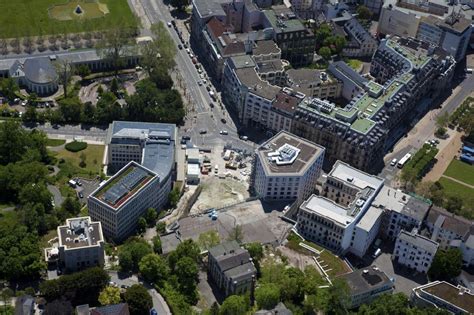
x: 216, y: 27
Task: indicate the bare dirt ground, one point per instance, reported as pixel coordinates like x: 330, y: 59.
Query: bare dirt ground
x: 445, y: 155
x: 296, y: 259
x: 218, y: 193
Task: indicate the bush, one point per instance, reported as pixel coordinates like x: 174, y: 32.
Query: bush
x: 76, y: 146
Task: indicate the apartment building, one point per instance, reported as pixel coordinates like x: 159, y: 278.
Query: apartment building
x: 359, y: 132
x: 286, y: 167
x: 401, y: 211
x: 414, y: 251
x: 282, y: 110
x: 313, y: 83
x: 341, y: 211
x: 360, y: 43
x: 231, y: 268
x: 367, y: 284
x: 444, y: 295
x: 297, y: 43
x: 451, y: 231
x: 81, y: 244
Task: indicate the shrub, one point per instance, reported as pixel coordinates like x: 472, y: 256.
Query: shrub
x: 76, y: 146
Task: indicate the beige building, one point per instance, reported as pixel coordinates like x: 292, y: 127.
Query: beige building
x: 313, y: 83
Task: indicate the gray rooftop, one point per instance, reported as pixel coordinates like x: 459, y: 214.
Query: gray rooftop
x: 241, y: 272
x: 208, y: 8
x: 308, y: 153
x: 80, y: 232
x: 232, y: 259
x: 450, y: 222
x: 40, y: 70
x: 354, y: 177
x: 397, y: 201
x: 419, y: 241
x: 369, y: 218
x: 366, y: 280
x: 341, y: 69
x: 265, y: 47
x: 257, y: 86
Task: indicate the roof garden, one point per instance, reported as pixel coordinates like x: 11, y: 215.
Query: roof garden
x: 117, y: 190
x: 417, y: 60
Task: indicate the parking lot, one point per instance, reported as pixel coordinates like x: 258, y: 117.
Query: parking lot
x: 86, y: 188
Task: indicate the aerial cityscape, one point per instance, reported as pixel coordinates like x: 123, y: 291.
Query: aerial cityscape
x: 236, y: 157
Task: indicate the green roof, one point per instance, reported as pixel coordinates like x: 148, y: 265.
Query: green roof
x: 291, y: 25
x: 415, y: 60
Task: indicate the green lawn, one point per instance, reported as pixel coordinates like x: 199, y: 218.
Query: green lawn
x: 354, y: 64
x: 31, y: 17
x: 55, y: 142
x: 452, y: 188
x: 461, y: 171
x: 94, y: 154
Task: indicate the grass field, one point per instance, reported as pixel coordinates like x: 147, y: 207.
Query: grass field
x: 55, y: 142
x: 31, y: 18
x: 452, y: 188
x: 94, y: 155
x: 461, y: 171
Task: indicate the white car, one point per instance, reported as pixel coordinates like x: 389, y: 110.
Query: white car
x: 200, y: 83
x: 188, y: 50
x: 204, y: 81
x: 169, y: 24
x: 24, y: 103
x: 201, y: 76
x: 191, y: 55
x: 393, y: 162
x: 224, y: 132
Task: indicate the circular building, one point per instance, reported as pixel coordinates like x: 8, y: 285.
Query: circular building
x: 38, y: 75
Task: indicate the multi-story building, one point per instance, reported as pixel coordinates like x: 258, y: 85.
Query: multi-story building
x: 124, y: 198
x: 286, y: 167
x: 443, y: 295
x: 81, y: 244
x: 296, y: 41
x: 282, y: 110
x: 367, y: 284
x: 231, y: 268
x: 136, y: 187
x: 359, y: 132
x: 451, y: 231
x: 313, y: 83
x: 360, y: 42
x: 340, y: 212
x: 414, y: 251
x: 401, y: 211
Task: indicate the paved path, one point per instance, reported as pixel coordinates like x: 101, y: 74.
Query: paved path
x: 458, y: 181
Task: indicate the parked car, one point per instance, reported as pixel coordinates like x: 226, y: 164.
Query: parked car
x: 223, y: 120
x: 211, y: 105
x: 180, y: 46
x: 224, y: 132
x: 169, y: 24
x: 245, y: 138
x: 81, y: 195
x: 393, y: 162
x: 199, y: 83
x: 203, y: 131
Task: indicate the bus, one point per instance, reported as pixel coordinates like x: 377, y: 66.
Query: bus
x: 403, y: 160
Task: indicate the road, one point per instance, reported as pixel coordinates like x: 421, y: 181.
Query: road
x: 425, y: 128
x: 159, y: 303
x: 200, y: 115
x: 92, y: 134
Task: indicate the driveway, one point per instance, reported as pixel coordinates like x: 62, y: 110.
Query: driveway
x: 58, y: 199
x: 159, y: 303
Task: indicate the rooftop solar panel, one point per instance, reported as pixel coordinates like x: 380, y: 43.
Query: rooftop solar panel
x: 124, y: 185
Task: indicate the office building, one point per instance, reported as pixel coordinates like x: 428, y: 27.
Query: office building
x: 297, y: 43
x: 367, y: 284
x: 340, y: 212
x: 443, y: 295
x: 401, y: 211
x: 81, y: 245
x: 313, y: 83
x: 124, y: 198
x: 231, y: 268
x: 360, y: 132
x: 286, y: 167
x: 414, y: 251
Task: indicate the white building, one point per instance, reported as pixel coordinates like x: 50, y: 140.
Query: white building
x: 334, y: 218
x: 443, y: 295
x: 81, y: 244
x: 286, y: 167
x: 401, y: 211
x: 414, y: 251
x: 367, y: 284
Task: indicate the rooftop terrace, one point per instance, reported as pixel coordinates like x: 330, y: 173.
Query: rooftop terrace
x: 451, y: 294
x: 79, y: 232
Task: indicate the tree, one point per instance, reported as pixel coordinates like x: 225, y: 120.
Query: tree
x: 396, y: 304
x: 161, y: 227
x: 82, y: 158
x: 131, y: 252
x: 187, y: 273
x: 6, y: 295
x: 363, y: 12
x: 234, y: 305
x: 157, y: 244
x: 115, y: 46
x: 138, y: 299
x: 70, y: 109
x: 188, y: 248
x: 150, y: 216
x: 158, y: 56
x: 325, y: 52
x: 180, y: 5
x: 82, y: 71
x: 33, y: 99
x: 267, y: 296
x: 141, y: 225
x: 154, y: 269
x: 174, y: 197
x: 65, y: 71
x: 214, y: 309
x: 454, y: 204
x: 59, y: 307
x: 338, y: 299
x: 9, y: 87
x: 208, y: 239
x: 446, y: 265
x: 110, y: 295
x: 236, y: 234
x: 114, y: 86
x: 442, y: 120
x: 256, y: 252
x: 30, y: 114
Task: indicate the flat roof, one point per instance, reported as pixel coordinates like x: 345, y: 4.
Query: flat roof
x: 257, y: 86
x: 80, y: 232
x: 308, y: 153
x: 369, y: 218
x: 265, y: 47
x: 123, y: 185
x: 448, y: 292
x: 366, y: 280
x: 284, y: 14
x: 397, y: 201
x: 354, y: 177
x: 207, y: 8
x: 329, y: 209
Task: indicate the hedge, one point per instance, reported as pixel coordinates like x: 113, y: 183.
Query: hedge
x: 76, y: 146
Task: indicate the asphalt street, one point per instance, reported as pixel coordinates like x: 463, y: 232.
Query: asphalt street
x: 72, y: 131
